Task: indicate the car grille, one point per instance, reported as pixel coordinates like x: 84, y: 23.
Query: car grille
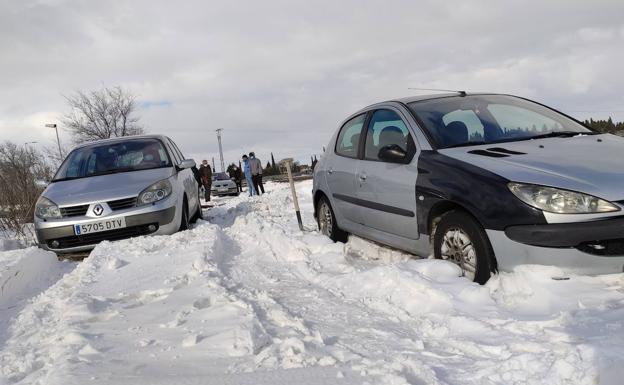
x: 74, y: 211
x: 113, y: 235
x: 121, y: 204
x: 613, y: 247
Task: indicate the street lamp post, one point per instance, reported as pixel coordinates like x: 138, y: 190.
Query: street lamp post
x: 220, y: 148
x: 58, y: 141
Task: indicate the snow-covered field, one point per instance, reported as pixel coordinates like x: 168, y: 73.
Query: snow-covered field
x: 246, y: 298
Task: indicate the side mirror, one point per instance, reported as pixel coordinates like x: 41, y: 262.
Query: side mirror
x: 392, y: 153
x: 186, y: 163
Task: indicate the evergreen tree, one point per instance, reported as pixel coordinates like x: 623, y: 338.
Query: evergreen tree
x: 273, y: 162
x: 605, y: 126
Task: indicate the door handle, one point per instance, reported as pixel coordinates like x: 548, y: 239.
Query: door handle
x: 330, y: 170
x: 362, y: 176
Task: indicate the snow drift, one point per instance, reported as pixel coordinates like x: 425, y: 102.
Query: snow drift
x: 245, y: 297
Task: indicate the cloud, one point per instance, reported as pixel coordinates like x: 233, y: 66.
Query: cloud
x: 146, y: 104
x: 280, y: 75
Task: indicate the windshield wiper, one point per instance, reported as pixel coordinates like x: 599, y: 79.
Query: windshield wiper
x: 63, y: 179
x: 559, y: 134
x: 467, y: 144
x: 114, y: 171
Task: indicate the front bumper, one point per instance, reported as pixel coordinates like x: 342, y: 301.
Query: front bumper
x: 138, y: 221
x: 568, y: 234
x: 576, y: 259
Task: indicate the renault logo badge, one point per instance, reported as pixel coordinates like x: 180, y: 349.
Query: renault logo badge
x: 98, y: 209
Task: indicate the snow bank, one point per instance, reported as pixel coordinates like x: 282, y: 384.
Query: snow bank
x: 24, y: 273
x: 245, y: 297
x: 10, y: 244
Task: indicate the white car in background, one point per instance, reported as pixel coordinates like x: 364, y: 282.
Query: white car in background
x: 222, y: 184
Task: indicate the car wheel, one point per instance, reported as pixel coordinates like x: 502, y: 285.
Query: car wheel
x: 199, y: 214
x: 184, y: 220
x: 460, y: 239
x: 327, y: 221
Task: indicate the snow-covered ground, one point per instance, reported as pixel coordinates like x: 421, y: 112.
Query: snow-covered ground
x: 246, y: 298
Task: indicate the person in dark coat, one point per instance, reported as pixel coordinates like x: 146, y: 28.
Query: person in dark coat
x: 205, y: 172
x: 236, y: 175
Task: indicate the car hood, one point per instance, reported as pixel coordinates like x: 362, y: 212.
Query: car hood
x: 591, y: 164
x: 104, y: 187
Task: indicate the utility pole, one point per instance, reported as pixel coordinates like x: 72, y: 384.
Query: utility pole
x: 220, y: 148
x: 214, y: 169
x: 58, y: 141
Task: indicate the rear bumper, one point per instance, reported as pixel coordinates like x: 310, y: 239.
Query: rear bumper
x: 571, y: 260
x: 137, y: 224
x: 230, y: 190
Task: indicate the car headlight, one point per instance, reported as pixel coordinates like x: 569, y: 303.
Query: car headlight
x: 46, y: 209
x: 559, y: 201
x: 154, y: 193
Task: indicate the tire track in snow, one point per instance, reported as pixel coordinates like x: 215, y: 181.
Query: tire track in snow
x: 447, y: 345
x: 260, y: 268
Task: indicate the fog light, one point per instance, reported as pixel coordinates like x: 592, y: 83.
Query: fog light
x: 55, y: 244
x: 151, y: 228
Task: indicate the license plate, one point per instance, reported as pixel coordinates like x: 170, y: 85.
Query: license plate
x: 96, y: 227
x: 222, y: 189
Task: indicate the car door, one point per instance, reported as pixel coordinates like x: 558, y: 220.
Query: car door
x: 341, y: 167
x: 186, y: 178
x: 386, y: 191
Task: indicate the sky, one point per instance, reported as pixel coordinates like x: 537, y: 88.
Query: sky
x: 280, y: 76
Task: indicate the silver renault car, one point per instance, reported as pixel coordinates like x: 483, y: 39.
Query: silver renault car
x: 114, y: 189
x: 486, y: 181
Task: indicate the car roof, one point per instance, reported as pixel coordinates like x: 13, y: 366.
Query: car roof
x: 120, y: 139
x: 419, y: 98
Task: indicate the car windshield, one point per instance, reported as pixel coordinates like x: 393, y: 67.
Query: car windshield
x: 111, y: 158
x: 221, y: 176
x: 484, y: 119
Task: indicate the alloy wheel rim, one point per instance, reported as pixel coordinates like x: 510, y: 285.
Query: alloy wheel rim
x: 457, y: 247
x: 325, y: 219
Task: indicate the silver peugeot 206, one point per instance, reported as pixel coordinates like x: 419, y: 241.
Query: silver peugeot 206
x: 114, y: 189
x: 486, y: 181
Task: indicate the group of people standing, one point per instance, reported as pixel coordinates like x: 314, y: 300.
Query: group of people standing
x: 252, y: 170
x: 252, y: 167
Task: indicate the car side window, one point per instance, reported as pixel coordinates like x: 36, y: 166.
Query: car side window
x: 176, y: 149
x: 174, y: 155
x: 348, y: 142
x: 384, y: 129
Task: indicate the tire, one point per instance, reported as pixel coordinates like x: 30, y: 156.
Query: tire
x: 184, y: 219
x: 326, y: 221
x: 460, y: 239
x: 199, y: 214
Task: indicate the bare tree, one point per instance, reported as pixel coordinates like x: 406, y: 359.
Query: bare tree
x: 101, y: 114
x: 51, y: 153
x: 20, y: 169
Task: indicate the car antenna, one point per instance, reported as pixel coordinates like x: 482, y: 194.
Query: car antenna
x: 461, y: 93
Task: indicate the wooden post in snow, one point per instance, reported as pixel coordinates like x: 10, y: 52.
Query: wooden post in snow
x: 294, y: 192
